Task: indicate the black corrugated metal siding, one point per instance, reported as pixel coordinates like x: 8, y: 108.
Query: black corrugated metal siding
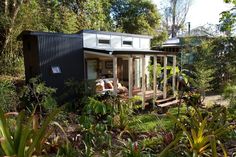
x: 31, y: 59
x: 64, y: 52
x: 44, y: 50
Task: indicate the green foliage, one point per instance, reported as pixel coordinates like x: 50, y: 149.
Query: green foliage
x: 56, y: 17
x: 224, y: 61
x: 159, y: 39
x: 146, y: 123
x: 76, y: 94
x: 203, y: 68
x: 133, y: 16
x: 158, y: 71
x: 228, y: 18
x: 8, y: 96
x: 204, y: 63
x: 133, y: 150
x: 230, y: 95
x: 95, y: 121
x: 200, y: 132
x: 36, y: 95
x: 25, y: 138
x: 124, y: 111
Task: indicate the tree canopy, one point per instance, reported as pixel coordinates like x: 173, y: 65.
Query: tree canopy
x: 71, y: 16
x: 228, y: 18
x: 135, y: 16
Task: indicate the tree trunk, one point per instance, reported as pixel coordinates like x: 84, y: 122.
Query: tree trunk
x: 11, y: 11
x: 173, y: 31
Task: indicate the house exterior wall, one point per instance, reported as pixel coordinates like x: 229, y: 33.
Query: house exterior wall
x: 63, y: 52
x: 91, y: 40
x: 31, y: 61
x: 58, y: 57
x: 54, y: 57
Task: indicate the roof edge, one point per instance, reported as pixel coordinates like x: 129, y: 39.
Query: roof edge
x: 114, y: 33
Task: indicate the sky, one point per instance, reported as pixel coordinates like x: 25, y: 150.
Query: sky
x: 203, y: 12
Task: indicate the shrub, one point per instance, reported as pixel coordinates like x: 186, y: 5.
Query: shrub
x: 8, y: 96
x: 36, y: 95
x: 76, y: 93
x: 230, y: 95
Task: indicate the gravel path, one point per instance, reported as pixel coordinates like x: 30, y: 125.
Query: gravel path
x: 215, y: 99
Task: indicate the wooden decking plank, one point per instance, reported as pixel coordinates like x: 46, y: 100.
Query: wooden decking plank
x: 164, y: 100
x: 168, y: 103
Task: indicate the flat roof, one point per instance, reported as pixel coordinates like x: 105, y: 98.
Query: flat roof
x: 37, y: 33
x: 114, y: 33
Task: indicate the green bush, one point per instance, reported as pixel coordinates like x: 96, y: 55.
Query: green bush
x: 76, y: 93
x: 8, y: 96
x: 36, y: 95
x: 96, y: 120
x: 11, y: 66
x: 230, y: 95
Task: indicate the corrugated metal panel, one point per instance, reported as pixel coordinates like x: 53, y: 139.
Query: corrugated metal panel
x: 31, y: 60
x: 63, y: 52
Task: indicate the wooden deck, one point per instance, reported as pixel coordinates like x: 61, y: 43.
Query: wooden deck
x: 148, y: 94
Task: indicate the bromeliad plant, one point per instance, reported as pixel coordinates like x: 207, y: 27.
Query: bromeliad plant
x: 200, y: 133
x: 25, y: 138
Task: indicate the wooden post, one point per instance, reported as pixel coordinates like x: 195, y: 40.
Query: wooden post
x: 165, y: 78
x: 130, y: 76
x: 143, y: 81
x: 115, y: 75
x: 174, y: 75
x: 154, y: 79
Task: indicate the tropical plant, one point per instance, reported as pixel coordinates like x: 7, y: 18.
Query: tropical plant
x: 200, y: 133
x: 124, y: 111
x: 132, y: 149
x: 25, y: 138
x: 96, y: 122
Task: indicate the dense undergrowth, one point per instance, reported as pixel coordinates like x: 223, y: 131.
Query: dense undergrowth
x: 33, y: 124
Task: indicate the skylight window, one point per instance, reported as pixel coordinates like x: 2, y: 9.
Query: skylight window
x: 56, y: 69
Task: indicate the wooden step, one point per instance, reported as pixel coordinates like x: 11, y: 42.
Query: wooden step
x: 164, y: 100
x: 174, y: 102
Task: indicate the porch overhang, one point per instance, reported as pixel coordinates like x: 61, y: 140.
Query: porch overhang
x: 132, y: 53
x: 129, y: 52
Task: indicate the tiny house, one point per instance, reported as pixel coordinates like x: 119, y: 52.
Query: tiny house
x: 90, y: 55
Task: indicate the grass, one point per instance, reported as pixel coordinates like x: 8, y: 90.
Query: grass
x: 153, y: 122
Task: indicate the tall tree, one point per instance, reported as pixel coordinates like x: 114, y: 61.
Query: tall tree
x: 91, y: 14
x: 135, y: 16
x: 174, y: 15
